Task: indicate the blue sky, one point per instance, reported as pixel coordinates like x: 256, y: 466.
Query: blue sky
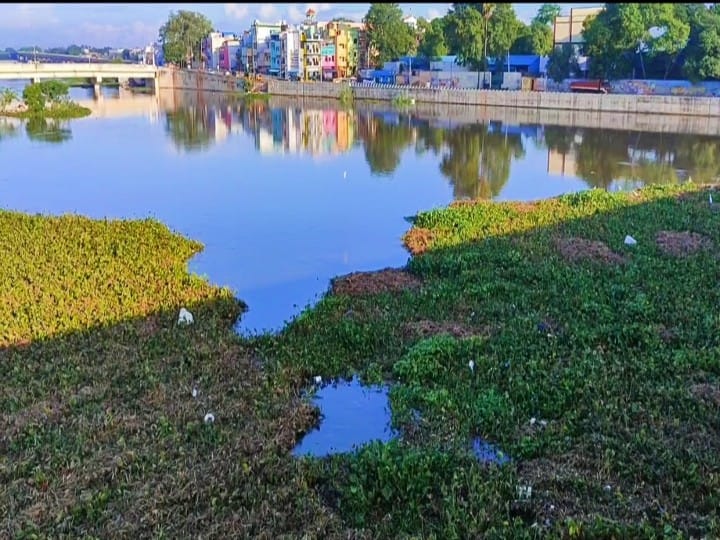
x: 128, y: 25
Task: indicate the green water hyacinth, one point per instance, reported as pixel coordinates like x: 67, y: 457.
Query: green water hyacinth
x: 592, y: 366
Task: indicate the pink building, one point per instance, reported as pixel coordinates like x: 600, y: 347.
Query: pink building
x: 227, y: 55
x: 327, y: 62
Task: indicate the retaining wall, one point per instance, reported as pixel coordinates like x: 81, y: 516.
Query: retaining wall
x: 585, y: 103
x: 201, y: 81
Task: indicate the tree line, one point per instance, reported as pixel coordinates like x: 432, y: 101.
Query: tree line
x: 622, y: 40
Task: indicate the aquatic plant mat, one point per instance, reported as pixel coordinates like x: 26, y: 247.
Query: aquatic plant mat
x: 595, y: 368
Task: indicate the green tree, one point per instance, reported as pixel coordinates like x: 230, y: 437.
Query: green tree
x: 182, y: 34
x: 503, y: 29
x: 546, y: 14
x: 7, y: 96
x: 38, y: 95
x: 562, y: 62
x: 533, y: 39
x: 432, y: 38
x: 702, y: 54
x: 608, y: 55
x: 466, y: 30
x: 388, y: 35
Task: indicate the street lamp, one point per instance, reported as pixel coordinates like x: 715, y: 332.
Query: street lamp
x: 487, y: 13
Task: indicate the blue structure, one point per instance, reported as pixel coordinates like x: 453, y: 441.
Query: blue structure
x: 381, y: 76
x: 275, y: 54
x: 520, y: 63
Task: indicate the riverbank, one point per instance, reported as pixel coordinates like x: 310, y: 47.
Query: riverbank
x: 586, y: 103
x: 594, y: 369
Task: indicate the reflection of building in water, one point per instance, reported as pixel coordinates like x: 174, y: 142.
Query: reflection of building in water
x: 562, y: 163
x: 314, y: 132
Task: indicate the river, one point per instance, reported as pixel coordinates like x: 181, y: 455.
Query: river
x: 284, y: 196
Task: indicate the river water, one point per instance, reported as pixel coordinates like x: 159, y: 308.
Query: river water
x: 287, y: 195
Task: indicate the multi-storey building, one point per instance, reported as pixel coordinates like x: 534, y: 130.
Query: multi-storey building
x: 211, y: 46
x: 228, y: 54
x: 342, y: 35
x: 290, y: 54
x: 327, y: 62
x: 275, y: 45
x: 311, y: 46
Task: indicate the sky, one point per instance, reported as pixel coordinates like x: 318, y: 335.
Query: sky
x: 134, y: 25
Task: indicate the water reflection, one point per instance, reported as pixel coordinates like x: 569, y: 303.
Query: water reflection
x: 44, y: 130
x: 286, y: 195
x: 352, y: 415
x: 9, y: 127
x: 475, y: 158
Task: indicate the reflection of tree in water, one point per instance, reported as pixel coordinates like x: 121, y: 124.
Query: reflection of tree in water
x: 52, y: 131
x: 604, y: 156
x: 384, y: 142
x: 8, y: 129
x: 189, y: 127
x: 478, y: 161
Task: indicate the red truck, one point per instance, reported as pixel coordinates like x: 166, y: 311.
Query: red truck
x: 590, y: 87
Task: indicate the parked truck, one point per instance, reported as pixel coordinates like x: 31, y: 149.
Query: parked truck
x: 590, y: 87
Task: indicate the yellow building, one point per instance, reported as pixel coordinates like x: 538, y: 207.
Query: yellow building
x: 339, y: 34
x: 568, y: 28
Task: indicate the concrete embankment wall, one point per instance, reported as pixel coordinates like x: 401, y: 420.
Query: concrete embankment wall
x: 453, y: 115
x: 585, y: 103
x: 201, y: 81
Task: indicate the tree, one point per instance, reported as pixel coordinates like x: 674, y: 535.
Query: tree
x: 38, y: 95
x: 562, y: 62
x: 503, y: 30
x: 7, y: 96
x: 466, y: 30
x: 546, y: 14
x: 432, y: 39
x: 388, y: 35
x: 182, y: 34
x: 702, y: 54
x: 533, y: 39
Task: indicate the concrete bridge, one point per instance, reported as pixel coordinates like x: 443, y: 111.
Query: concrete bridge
x: 36, y: 72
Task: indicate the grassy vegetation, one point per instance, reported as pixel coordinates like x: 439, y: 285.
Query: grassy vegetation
x: 402, y: 100
x: 347, y: 95
x: 596, y: 369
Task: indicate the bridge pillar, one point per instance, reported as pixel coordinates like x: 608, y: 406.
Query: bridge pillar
x: 97, y: 88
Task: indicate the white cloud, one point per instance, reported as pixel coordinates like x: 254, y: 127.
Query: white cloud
x: 267, y: 12
x: 237, y: 11
x: 27, y: 16
x: 116, y: 35
x: 295, y: 15
x: 433, y: 14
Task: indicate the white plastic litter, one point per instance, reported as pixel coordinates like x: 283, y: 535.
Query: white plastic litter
x: 185, y: 317
x: 710, y: 199
x: 318, y: 379
x: 194, y: 392
x: 630, y: 241
x: 209, y: 418
x: 471, y: 365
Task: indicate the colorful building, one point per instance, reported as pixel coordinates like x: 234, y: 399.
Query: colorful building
x: 228, y: 55
x: 311, y: 46
x: 211, y: 46
x: 256, y: 49
x: 275, y: 54
x: 290, y: 54
x: 342, y: 36
x: 329, y: 69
